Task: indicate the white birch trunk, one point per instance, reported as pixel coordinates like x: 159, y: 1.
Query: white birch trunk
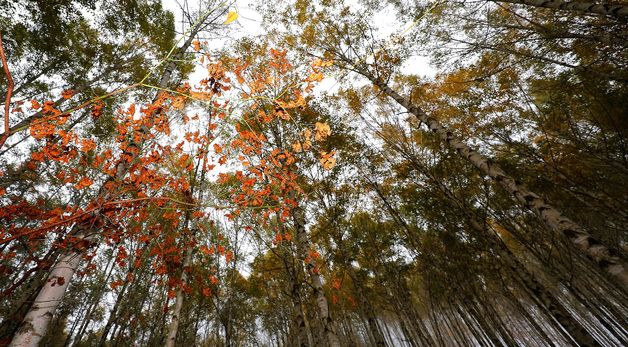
x: 178, y: 304
x: 303, y: 245
x: 36, y: 321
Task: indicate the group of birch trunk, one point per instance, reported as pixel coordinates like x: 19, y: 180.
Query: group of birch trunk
x: 485, y: 206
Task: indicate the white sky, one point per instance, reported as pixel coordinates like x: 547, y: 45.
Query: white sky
x: 249, y: 23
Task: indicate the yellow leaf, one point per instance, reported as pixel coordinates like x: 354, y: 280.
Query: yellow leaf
x: 315, y: 77
x: 231, y: 16
x: 322, y: 131
x: 178, y: 102
x: 307, y: 133
x: 327, y: 160
x: 307, y: 144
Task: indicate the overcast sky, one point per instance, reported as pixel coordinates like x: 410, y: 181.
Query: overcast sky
x: 249, y: 23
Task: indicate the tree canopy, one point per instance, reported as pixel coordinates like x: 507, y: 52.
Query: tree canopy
x: 313, y: 173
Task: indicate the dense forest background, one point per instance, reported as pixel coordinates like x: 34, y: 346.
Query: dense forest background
x: 348, y: 173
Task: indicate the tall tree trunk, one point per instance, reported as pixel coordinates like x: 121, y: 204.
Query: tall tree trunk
x: 550, y: 303
x: 22, y: 306
x: 178, y: 304
x: 480, y: 318
x: 487, y: 306
x: 35, y: 323
x: 547, y: 341
x: 473, y: 329
x: 113, y: 316
x: 298, y: 329
x: 375, y: 333
x: 371, y: 318
x: 454, y: 322
x: 546, y: 299
x: 404, y: 304
x: 597, y: 252
x: 303, y: 245
x: 618, y: 10
x: 408, y: 336
x: 433, y: 321
x: 299, y: 336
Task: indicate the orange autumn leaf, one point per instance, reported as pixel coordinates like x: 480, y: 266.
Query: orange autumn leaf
x: 68, y: 93
x: 87, y: 145
x: 115, y: 284
x: 278, y: 238
x: 307, y: 144
x: 83, y: 183
x: 178, y: 103
x: 35, y: 105
x: 217, y: 148
x: 296, y: 147
x: 37, y: 156
x: 97, y: 110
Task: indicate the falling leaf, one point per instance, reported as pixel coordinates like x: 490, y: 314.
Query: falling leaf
x: 231, y: 16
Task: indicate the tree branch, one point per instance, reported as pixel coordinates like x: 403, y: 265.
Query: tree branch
x: 7, y: 101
